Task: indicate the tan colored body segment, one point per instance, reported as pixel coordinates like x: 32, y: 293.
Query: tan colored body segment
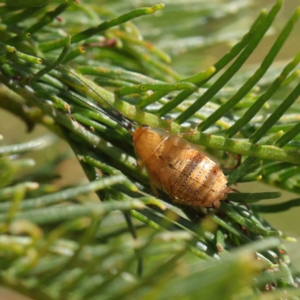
x: 177, y: 167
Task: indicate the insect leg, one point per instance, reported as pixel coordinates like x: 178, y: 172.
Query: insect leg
x: 238, y: 158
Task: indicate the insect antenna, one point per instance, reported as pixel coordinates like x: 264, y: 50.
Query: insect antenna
x: 129, y: 123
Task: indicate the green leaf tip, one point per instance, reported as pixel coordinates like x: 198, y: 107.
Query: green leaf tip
x: 275, y: 208
x: 157, y: 7
x: 295, y: 15
x: 263, y: 11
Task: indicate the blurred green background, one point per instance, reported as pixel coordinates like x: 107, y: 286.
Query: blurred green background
x: 14, y: 130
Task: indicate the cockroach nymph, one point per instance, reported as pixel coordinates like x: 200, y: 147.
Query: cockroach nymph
x: 179, y: 168
x: 175, y: 165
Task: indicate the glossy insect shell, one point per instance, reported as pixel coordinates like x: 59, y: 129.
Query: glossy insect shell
x: 177, y: 167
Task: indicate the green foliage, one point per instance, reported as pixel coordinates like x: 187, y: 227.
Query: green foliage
x: 54, y: 244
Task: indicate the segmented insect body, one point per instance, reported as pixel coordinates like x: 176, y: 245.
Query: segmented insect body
x: 177, y: 167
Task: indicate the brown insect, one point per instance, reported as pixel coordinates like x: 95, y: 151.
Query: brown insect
x: 175, y: 165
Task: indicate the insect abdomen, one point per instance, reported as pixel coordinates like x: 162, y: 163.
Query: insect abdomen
x: 174, y: 165
x: 197, y: 181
